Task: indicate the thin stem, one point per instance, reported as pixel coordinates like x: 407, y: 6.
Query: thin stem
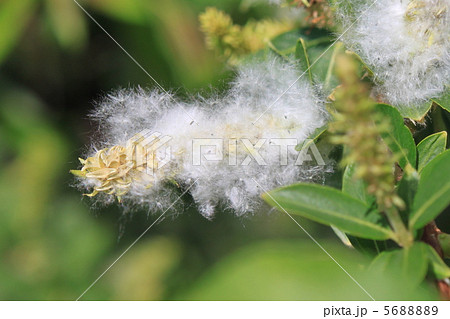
x: 402, y: 235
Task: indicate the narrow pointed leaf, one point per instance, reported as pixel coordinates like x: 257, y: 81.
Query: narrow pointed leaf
x: 312, y: 138
x: 364, y: 67
x: 329, y: 206
x: 342, y: 236
x: 302, y: 55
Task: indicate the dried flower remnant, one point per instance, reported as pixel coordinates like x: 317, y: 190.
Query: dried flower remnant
x: 110, y: 167
x: 113, y: 170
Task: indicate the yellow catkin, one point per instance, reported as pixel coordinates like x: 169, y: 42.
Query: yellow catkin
x: 232, y: 41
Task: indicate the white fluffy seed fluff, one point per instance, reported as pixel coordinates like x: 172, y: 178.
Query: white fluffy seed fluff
x: 406, y: 43
x: 245, y: 112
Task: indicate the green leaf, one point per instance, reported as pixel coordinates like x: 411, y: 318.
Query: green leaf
x: 295, y: 270
x: 322, y: 59
x: 365, y: 68
x: 440, y: 269
x: 312, y: 47
x: 330, y: 81
x: 429, y: 148
x: 67, y: 24
x: 342, y: 236
x: 329, y: 206
x: 444, y: 241
x: 302, y: 55
x: 312, y: 138
x: 433, y: 192
x: 418, y: 112
x: 415, y: 112
x: 273, y: 49
x: 287, y: 42
x: 371, y: 247
x: 407, y: 189
x: 397, y: 137
x: 444, y: 101
x: 128, y: 11
x: 14, y: 16
x: 410, y: 263
x: 355, y: 187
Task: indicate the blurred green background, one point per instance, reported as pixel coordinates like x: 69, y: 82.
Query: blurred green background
x: 54, y: 63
